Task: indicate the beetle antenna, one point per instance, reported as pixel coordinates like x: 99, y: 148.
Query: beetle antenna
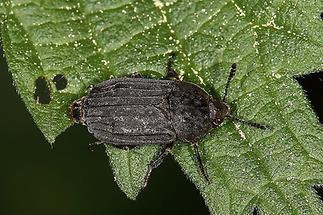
x: 250, y: 123
x: 199, y: 162
x: 231, y: 75
x: 170, y: 72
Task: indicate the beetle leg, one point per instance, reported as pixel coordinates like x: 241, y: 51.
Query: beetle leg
x: 135, y: 75
x: 170, y: 72
x: 158, y: 159
x: 199, y: 162
x: 93, y: 146
x: 124, y: 147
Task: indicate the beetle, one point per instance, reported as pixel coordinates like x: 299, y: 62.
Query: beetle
x: 135, y: 111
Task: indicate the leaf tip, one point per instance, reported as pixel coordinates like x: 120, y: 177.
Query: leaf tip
x: 131, y: 193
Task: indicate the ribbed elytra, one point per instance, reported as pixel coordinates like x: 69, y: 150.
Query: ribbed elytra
x: 136, y: 111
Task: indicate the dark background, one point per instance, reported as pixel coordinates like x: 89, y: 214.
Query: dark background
x: 70, y: 179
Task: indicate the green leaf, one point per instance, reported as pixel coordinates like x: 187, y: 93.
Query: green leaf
x: 271, y: 41
x: 128, y: 169
x: 2, y: 11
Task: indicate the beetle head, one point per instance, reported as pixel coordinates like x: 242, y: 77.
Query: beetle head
x: 218, y: 111
x: 76, y: 111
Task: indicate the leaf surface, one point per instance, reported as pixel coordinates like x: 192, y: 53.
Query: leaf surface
x: 271, y: 41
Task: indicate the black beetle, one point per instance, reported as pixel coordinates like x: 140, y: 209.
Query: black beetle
x: 135, y: 111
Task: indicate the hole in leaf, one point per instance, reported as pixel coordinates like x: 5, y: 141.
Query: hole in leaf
x: 42, y: 91
x: 319, y: 190
x: 321, y: 15
x: 255, y: 211
x: 60, y: 82
x: 313, y: 86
